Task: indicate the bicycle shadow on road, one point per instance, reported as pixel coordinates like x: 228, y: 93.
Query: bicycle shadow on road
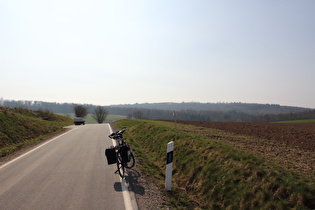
x: 132, y: 178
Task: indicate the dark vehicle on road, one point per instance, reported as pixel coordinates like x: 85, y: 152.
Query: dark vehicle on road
x: 79, y: 121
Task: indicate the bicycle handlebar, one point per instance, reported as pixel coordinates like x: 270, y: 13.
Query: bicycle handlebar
x: 117, y: 134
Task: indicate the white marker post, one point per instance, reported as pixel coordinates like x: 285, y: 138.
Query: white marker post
x: 169, y: 166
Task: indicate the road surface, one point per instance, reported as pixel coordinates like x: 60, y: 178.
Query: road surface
x: 68, y: 172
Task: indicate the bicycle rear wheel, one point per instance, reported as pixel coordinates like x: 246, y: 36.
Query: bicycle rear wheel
x: 120, y: 166
x: 131, y: 161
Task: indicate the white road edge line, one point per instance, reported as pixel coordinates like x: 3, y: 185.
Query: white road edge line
x: 19, y: 157
x: 130, y: 204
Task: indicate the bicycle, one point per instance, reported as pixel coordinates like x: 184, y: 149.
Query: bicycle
x: 120, y: 154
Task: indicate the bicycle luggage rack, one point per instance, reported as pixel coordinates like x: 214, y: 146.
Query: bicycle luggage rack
x: 112, y: 156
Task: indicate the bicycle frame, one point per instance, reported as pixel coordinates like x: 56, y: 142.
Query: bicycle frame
x: 124, y: 156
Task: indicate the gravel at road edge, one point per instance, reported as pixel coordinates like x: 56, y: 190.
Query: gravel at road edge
x: 148, y: 194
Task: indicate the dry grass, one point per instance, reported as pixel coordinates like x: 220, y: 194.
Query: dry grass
x: 211, y: 173
x: 20, y: 128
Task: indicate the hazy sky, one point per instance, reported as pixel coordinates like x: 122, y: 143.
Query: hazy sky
x: 123, y: 52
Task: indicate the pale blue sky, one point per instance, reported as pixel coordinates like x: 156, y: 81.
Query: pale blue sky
x: 122, y: 52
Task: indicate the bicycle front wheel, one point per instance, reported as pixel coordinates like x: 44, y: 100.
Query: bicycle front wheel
x: 120, y: 166
x: 131, y: 161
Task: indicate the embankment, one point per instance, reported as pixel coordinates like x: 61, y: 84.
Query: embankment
x: 20, y: 128
x: 211, y: 174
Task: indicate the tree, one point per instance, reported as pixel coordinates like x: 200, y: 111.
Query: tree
x: 100, y: 114
x: 80, y: 111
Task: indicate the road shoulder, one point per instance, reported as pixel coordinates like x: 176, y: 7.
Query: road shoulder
x: 147, y: 194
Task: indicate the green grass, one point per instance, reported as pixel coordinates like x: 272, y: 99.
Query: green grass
x: 90, y: 120
x: 208, y: 174
x: 20, y: 128
x: 297, y: 121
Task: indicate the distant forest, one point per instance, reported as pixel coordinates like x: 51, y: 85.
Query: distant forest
x: 216, y: 112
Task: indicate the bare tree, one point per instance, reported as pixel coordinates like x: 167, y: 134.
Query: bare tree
x: 100, y: 114
x: 80, y: 111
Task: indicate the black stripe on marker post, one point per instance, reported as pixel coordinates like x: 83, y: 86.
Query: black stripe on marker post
x: 169, y: 158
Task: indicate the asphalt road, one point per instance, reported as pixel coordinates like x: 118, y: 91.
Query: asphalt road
x: 68, y: 172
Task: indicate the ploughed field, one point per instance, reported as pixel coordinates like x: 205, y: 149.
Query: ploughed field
x: 292, y: 145
x: 301, y: 135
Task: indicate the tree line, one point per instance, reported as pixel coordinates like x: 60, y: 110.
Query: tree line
x: 216, y: 116
x: 250, y: 108
x: 253, y: 113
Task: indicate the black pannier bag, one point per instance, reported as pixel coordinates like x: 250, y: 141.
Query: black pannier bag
x: 124, y: 153
x: 110, y: 155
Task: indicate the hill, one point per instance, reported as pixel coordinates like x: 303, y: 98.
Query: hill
x: 20, y: 127
x: 221, y: 112
x: 248, y: 108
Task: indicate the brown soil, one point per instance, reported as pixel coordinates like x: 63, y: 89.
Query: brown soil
x: 292, y: 146
x: 301, y: 135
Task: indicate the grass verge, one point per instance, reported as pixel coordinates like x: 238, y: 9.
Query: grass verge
x: 20, y: 128
x: 209, y: 174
